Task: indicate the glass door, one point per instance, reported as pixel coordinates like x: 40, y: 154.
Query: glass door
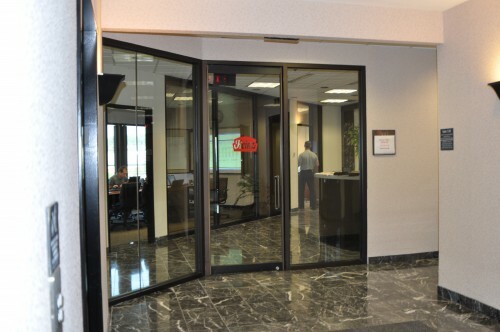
x: 325, y: 178
x: 152, y: 201
x: 245, y: 167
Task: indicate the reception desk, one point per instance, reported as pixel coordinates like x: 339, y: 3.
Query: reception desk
x: 339, y: 210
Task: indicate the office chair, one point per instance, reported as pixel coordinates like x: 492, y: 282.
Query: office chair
x: 222, y: 197
x: 128, y: 201
x: 222, y: 190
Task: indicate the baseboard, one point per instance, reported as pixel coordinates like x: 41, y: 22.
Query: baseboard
x: 407, y: 258
x: 467, y: 302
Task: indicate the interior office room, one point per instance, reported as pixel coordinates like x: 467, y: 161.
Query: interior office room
x: 210, y: 230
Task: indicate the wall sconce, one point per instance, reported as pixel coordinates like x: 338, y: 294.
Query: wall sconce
x: 108, y: 85
x: 496, y: 87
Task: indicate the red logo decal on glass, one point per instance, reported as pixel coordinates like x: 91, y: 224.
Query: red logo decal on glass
x: 245, y: 144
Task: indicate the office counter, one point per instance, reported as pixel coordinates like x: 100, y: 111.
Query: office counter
x: 339, y: 210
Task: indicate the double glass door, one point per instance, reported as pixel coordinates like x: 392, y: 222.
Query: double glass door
x: 312, y: 216
x: 245, y: 167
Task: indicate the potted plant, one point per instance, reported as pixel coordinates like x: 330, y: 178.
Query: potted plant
x: 351, y: 140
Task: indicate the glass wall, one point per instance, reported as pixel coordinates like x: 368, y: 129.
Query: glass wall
x: 151, y: 171
x: 325, y: 186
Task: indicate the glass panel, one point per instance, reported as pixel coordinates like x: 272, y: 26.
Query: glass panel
x: 150, y: 130
x: 111, y: 150
x: 165, y: 87
x: 324, y: 166
x: 245, y: 168
x: 123, y: 238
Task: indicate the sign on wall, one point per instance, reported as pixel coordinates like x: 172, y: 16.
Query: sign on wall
x: 384, y: 142
x: 447, y: 139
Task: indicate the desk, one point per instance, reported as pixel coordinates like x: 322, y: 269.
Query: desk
x: 339, y: 209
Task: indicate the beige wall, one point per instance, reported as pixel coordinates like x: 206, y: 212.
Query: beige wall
x: 469, y: 186
x: 332, y: 133
x: 401, y: 95
x: 289, y: 18
x: 40, y: 161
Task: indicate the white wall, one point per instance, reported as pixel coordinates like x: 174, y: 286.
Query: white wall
x: 469, y: 186
x: 38, y: 135
x: 332, y: 133
x: 401, y: 95
x: 288, y: 18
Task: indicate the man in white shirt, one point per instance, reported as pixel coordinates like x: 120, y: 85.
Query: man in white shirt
x: 308, y: 162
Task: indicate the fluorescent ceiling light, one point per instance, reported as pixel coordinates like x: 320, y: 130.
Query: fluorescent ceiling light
x: 180, y: 98
x: 272, y: 105
x: 302, y: 109
x: 341, y: 91
x: 334, y: 101
x: 169, y: 94
x: 263, y: 85
x: 145, y: 58
x: 143, y: 98
x: 140, y: 83
x: 129, y: 57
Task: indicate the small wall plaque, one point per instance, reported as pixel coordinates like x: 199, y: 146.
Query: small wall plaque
x: 447, y: 139
x: 384, y: 142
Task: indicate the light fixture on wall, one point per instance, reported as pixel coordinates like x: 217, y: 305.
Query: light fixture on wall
x: 496, y: 87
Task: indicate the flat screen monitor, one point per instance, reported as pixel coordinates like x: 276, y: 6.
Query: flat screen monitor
x: 133, y: 179
x: 178, y: 183
x: 171, y: 179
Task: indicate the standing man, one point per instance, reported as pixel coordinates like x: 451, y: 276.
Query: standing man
x: 308, y: 161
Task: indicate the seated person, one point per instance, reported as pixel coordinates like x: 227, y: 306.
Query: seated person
x: 120, y: 178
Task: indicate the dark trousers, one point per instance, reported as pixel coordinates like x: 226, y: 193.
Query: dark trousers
x: 307, y: 176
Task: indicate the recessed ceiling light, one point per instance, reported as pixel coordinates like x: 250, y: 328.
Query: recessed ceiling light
x: 341, y: 91
x: 186, y: 98
x: 143, y: 98
x: 140, y: 83
x: 334, y: 101
x: 263, y: 85
x: 302, y: 109
x: 169, y: 94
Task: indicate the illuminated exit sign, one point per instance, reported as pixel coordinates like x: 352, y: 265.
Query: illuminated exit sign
x: 224, y: 79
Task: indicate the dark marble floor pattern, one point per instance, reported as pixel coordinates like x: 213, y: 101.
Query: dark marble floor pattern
x: 134, y: 265
x: 382, y: 297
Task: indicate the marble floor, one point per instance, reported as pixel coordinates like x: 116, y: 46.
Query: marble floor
x: 383, y: 297
x: 133, y: 265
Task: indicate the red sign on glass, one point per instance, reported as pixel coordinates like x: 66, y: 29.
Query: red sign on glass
x: 245, y: 144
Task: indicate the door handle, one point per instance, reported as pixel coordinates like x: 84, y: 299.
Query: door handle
x: 277, y: 193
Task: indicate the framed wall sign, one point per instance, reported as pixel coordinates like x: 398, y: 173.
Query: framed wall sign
x: 384, y: 142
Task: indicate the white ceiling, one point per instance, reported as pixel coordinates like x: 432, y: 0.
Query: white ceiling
x: 432, y: 5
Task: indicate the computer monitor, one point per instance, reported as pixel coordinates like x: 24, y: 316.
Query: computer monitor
x: 178, y: 183
x: 171, y: 179
x: 134, y: 179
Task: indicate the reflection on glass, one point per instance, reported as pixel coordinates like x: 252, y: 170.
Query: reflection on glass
x: 111, y: 149
x: 325, y: 117
x: 150, y: 126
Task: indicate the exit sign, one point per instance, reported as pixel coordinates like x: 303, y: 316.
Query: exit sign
x: 224, y: 79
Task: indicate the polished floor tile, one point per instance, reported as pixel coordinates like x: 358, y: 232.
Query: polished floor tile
x: 382, y: 297
x: 133, y: 265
